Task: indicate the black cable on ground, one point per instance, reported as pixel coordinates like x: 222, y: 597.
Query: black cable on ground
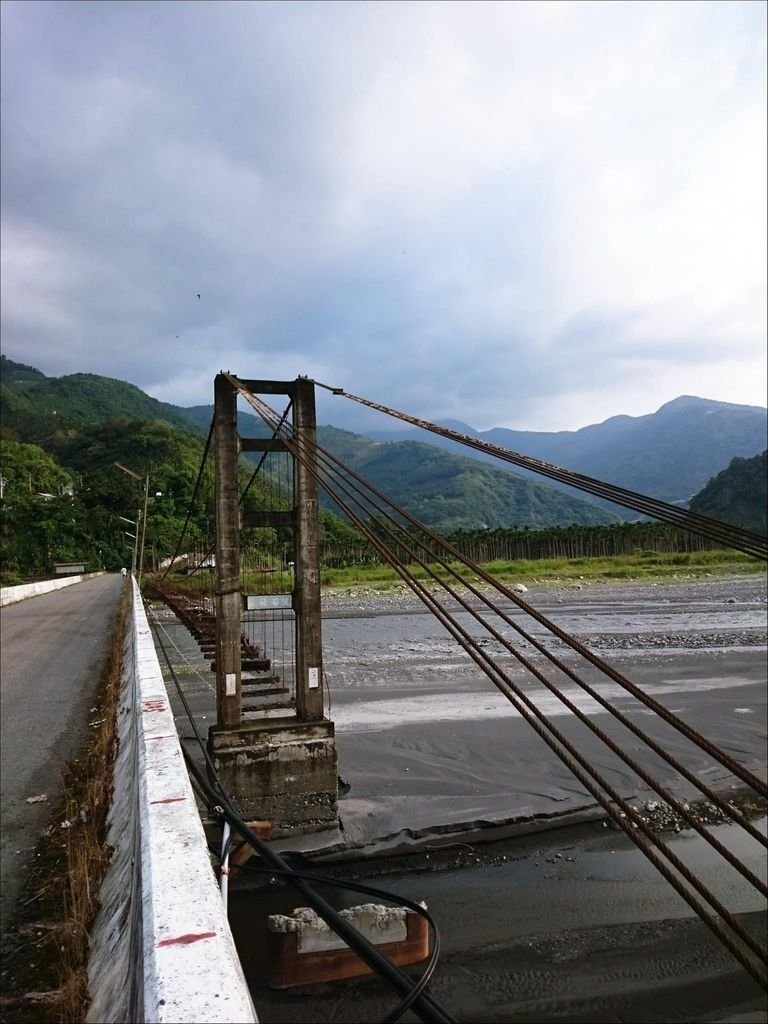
x: 375, y: 893
x: 422, y: 1004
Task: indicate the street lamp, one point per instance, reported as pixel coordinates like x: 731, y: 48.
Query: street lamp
x: 141, y: 518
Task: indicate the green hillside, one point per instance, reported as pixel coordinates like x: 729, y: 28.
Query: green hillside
x: 738, y: 495
x: 451, y: 492
x: 446, y: 491
x: 84, y: 397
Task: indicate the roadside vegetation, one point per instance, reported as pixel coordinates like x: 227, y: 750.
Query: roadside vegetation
x: 640, y: 565
x: 645, y: 565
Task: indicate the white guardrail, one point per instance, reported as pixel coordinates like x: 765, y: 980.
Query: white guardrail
x: 10, y: 595
x: 162, y: 949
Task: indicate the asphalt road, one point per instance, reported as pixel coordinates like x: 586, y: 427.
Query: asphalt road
x: 51, y: 656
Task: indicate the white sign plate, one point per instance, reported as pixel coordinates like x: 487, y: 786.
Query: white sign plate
x: 314, y: 678
x: 267, y: 602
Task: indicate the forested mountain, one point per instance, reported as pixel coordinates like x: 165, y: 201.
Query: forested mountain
x: 84, y: 397
x: 451, y: 492
x: 447, y: 491
x: 669, y: 454
x: 82, y: 424
x: 738, y: 494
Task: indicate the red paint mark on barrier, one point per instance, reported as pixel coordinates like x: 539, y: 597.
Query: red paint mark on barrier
x: 168, y: 800
x: 153, y: 705
x: 186, y: 940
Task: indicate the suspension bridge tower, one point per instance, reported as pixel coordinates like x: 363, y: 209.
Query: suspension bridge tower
x: 278, y: 765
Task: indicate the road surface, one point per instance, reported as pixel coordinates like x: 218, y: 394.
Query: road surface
x: 53, y: 650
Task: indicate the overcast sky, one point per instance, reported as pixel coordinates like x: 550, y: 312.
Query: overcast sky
x: 533, y: 215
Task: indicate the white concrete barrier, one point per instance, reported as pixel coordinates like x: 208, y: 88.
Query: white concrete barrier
x: 162, y: 949
x: 10, y: 595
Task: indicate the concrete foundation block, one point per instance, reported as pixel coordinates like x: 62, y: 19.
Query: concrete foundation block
x: 282, y: 772
x: 303, y: 950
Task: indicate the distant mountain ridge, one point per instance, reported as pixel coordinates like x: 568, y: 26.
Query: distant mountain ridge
x: 669, y: 454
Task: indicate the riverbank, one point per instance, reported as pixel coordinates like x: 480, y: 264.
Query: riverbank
x: 380, y: 597
x: 642, y: 566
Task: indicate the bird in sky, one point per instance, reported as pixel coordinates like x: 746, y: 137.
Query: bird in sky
x: 198, y: 295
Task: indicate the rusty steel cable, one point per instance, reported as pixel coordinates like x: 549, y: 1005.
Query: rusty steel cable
x: 247, y: 487
x: 676, y: 804
x: 732, y: 536
x: 630, y: 822
x: 695, y: 737
x: 264, y: 454
x: 691, y: 734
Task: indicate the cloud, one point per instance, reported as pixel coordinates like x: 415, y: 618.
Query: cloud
x: 496, y: 212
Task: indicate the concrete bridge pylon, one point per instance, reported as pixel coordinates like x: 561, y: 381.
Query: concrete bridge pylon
x: 282, y: 770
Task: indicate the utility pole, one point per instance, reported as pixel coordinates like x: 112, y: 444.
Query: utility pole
x: 143, y: 526
x: 139, y: 520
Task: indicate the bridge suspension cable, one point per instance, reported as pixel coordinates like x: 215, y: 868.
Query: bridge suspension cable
x: 192, y: 500
x: 336, y: 480
x: 713, y: 529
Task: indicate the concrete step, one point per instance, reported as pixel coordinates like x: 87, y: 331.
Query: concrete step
x: 267, y: 691
x: 250, y: 665
x: 271, y: 706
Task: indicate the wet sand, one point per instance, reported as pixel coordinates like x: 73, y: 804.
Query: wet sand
x: 427, y: 743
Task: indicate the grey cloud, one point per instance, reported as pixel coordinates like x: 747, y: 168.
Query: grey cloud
x: 402, y: 195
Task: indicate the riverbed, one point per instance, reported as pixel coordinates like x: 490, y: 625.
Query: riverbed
x: 545, y: 912
x: 425, y: 740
